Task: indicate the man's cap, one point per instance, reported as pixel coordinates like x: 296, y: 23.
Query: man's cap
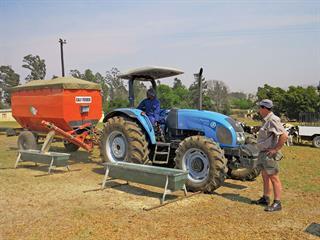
x: 151, y: 92
x: 266, y: 103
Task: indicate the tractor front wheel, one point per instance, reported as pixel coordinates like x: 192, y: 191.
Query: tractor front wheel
x: 205, y: 162
x: 123, y: 140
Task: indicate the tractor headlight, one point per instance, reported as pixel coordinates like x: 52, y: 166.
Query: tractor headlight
x: 241, y: 138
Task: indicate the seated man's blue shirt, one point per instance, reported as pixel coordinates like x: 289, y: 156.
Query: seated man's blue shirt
x: 152, y: 108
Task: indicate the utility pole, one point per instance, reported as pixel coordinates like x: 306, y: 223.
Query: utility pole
x: 61, y: 50
x: 318, y: 88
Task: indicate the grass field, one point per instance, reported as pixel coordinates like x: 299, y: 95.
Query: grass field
x: 10, y: 124
x: 34, y: 205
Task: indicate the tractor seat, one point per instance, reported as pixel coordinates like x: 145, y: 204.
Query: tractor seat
x: 163, y: 116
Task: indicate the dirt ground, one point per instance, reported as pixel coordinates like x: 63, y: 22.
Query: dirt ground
x: 38, y: 206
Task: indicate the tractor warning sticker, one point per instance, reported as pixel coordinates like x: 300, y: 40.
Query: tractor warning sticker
x: 83, y: 99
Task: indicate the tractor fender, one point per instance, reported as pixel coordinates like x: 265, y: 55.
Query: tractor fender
x: 139, y: 117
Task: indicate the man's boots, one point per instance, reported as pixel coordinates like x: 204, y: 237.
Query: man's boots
x: 264, y: 200
x: 275, y: 206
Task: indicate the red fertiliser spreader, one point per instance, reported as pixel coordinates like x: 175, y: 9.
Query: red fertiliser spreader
x: 68, y: 106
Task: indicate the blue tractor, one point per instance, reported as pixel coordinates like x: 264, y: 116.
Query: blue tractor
x: 209, y: 145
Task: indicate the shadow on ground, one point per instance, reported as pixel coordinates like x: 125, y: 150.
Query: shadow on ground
x: 233, y: 185
x: 235, y: 197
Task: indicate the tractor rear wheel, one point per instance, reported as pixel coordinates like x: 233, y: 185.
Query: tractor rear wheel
x: 26, y: 141
x: 205, y: 162
x: 244, y: 174
x: 123, y: 140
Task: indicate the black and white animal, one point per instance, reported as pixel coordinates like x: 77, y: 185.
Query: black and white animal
x: 292, y: 132
x: 253, y: 130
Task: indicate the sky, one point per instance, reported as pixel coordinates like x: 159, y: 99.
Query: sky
x: 245, y: 44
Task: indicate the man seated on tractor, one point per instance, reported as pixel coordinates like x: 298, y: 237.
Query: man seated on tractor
x: 151, y: 106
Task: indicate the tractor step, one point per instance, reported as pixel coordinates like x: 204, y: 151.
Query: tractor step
x: 163, y: 144
x: 162, y: 153
x: 165, y: 152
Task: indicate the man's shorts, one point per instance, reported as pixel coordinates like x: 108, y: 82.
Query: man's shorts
x: 268, y: 164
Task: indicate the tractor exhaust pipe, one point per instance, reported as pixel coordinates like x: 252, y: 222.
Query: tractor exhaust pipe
x: 198, y: 76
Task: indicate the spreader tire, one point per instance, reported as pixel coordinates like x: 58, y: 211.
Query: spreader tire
x: 70, y: 147
x: 26, y: 141
x: 205, y: 162
x: 123, y: 140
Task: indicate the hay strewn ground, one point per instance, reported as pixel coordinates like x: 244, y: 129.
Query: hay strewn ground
x: 55, y: 207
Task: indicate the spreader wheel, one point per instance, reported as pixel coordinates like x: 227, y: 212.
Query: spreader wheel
x: 26, y: 141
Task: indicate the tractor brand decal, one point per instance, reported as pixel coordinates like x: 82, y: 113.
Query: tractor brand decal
x: 83, y: 99
x: 33, y: 110
x: 213, y: 124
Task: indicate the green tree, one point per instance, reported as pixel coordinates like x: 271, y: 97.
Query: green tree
x: 291, y: 102
x: 181, y: 94
x: 193, y: 98
x: 218, y: 93
x: 37, y: 67
x: 118, y: 94
x: 276, y: 94
x: 98, y: 78
x: 8, y: 79
x: 177, y: 83
x: 76, y: 74
x: 240, y: 100
x: 166, y: 96
x: 139, y: 90
x: 299, y: 99
x: 237, y: 95
x: 88, y: 75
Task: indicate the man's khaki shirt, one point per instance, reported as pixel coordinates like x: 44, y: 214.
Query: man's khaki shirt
x: 270, y: 131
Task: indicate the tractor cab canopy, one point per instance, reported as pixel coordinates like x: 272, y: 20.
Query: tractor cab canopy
x: 147, y: 74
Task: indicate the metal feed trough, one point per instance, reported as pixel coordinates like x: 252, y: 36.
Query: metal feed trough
x: 169, y: 179
x: 51, y: 158
x: 43, y: 156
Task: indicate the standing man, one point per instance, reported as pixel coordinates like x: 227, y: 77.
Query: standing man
x: 271, y: 138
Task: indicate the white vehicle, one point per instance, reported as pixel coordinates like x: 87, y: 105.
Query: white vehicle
x: 310, y: 130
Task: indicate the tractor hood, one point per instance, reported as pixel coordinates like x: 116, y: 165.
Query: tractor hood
x: 221, y: 128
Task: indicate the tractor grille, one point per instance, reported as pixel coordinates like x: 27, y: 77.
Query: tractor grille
x: 224, y: 135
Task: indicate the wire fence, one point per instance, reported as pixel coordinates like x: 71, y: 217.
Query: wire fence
x: 309, y: 118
